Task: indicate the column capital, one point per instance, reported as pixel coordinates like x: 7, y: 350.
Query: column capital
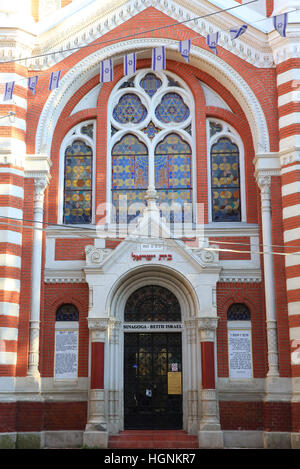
x: 207, y: 327
x: 98, y: 328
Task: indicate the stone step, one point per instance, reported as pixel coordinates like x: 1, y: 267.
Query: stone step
x: 162, y: 439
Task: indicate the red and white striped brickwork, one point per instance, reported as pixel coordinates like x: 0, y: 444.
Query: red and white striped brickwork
x: 288, y: 81
x: 12, y: 151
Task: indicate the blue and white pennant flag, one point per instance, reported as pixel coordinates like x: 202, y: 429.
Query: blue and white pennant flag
x: 159, y: 58
x: 280, y: 23
x: 184, y: 49
x: 9, y: 89
x: 54, y: 80
x: 32, y: 82
x: 212, y: 41
x: 106, y: 71
x: 130, y: 64
x: 235, y: 33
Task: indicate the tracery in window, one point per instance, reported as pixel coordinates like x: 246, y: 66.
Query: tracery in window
x: 157, y: 105
x: 67, y: 312
x: 172, y: 109
x: 129, y: 109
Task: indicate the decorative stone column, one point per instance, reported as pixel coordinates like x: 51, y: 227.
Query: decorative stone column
x: 40, y: 184
x: 264, y: 183
x: 96, y: 434
x: 210, y: 434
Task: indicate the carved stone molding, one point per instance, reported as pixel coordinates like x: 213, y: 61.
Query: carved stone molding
x: 207, y: 327
x: 95, y: 255
x: 98, y: 328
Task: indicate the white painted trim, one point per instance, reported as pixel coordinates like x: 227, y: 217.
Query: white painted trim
x: 292, y: 211
x: 289, y: 119
x: 8, y: 333
x: 8, y: 358
x: 9, y: 260
x: 12, y: 237
x: 294, y: 308
x: 18, y: 123
x: 14, y: 171
x: 294, y: 333
x: 10, y: 189
x: 293, y: 283
x: 291, y: 188
x: 291, y: 235
x: 288, y: 75
x: 10, y: 284
x: 9, y: 309
x: 10, y: 212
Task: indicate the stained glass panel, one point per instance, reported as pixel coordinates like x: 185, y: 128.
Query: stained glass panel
x: 129, y: 109
x: 78, y: 184
x: 67, y: 312
x: 225, y: 181
x: 151, y: 130
x: 238, y: 312
x: 150, y: 83
x: 172, y: 109
x: 173, y: 178
x: 129, y: 177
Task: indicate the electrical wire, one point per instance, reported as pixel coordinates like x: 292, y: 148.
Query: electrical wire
x: 93, y: 236
x: 159, y: 28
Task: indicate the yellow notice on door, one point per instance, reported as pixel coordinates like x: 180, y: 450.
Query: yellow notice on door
x: 174, y: 382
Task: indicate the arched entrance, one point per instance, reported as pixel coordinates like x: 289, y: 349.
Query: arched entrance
x: 152, y: 359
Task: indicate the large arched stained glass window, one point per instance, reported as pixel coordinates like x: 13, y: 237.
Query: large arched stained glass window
x: 129, y: 176
x: 78, y: 183
x: 225, y: 181
x: 173, y: 177
x: 156, y: 148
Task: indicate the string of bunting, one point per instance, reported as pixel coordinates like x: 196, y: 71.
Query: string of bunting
x: 158, y: 58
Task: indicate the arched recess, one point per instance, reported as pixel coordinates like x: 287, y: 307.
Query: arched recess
x: 88, y: 68
x: 116, y: 301
x: 152, y: 275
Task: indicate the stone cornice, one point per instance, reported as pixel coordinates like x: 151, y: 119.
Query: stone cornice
x: 92, y: 22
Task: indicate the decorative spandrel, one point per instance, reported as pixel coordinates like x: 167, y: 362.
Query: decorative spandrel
x: 129, y: 110
x: 78, y: 183
x: 152, y: 303
x: 172, y: 109
x: 225, y: 177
